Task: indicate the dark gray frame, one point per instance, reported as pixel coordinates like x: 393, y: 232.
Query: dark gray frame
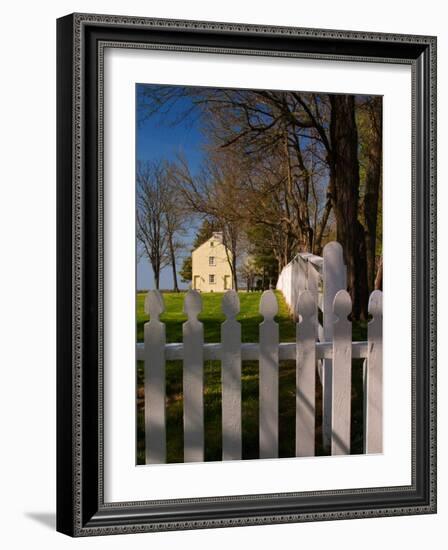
x: 81, y: 39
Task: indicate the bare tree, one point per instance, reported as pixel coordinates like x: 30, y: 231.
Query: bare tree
x: 249, y: 270
x: 160, y: 217
x: 151, y: 210
x: 370, y: 127
x: 214, y: 194
x: 345, y: 192
x: 175, y: 218
x: 379, y: 275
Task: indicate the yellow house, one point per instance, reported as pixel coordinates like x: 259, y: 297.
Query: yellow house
x: 210, y: 266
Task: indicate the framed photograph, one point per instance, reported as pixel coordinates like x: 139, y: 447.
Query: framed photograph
x: 246, y: 274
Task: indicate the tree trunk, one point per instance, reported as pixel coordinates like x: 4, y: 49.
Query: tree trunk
x: 379, y: 276
x: 156, y: 269
x: 173, y: 263
x: 371, y: 214
x: 156, y: 276
x: 373, y: 179
x: 317, y: 245
x: 344, y: 180
x: 235, y: 279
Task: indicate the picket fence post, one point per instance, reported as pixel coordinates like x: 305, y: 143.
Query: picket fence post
x: 306, y: 374
x: 268, y: 376
x: 193, y: 379
x: 155, y: 414
x: 373, y: 397
x: 334, y: 279
x: 342, y: 374
x: 313, y: 278
x: 231, y: 378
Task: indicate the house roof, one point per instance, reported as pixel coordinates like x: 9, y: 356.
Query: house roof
x: 217, y: 236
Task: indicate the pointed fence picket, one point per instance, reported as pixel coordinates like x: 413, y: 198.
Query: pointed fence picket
x: 341, y: 375
x: 268, y: 376
x: 306, y: 351
x: 231, y: 378
x: 306, y: 374
x: 334, y: 279
x: 193, y: 380
x: 155, y: 421
x: 373, y: 415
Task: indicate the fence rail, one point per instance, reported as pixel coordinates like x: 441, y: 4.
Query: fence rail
x: 251, y: 352
x: 306, y: 351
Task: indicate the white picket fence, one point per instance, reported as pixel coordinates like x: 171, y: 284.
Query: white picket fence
x: 306, y: 351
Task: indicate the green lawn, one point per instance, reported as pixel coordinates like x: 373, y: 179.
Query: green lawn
x: 250, y: 318
x: 212, y: 316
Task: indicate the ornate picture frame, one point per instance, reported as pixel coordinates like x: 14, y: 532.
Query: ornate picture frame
x: 81, y: 506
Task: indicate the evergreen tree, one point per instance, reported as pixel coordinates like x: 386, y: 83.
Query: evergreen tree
x: 186, y: 271
x: 204, y: 233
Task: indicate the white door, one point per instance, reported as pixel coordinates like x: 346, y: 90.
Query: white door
x: 197, y: 282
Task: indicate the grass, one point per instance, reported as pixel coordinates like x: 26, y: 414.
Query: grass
x: 212, y: 317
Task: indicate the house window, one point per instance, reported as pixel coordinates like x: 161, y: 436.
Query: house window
x: 212, y: 243
x: 211, y: 260
x: 211, y: 279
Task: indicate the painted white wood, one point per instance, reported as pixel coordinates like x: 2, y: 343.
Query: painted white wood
x: 373, y: 396
x: 334, y: 280
x: 314, y: 278
x: 320, y: 302
x: 294, y: 277
x: 313, y: 281
x: 193, y: 379
x: 268, y: 376
x: 315, y: 285
x: 231, y: 378
x: 329, y: 269
x: 334, y: 275
x: 154, y: 358
x: 251, y: 351
x: 293, y: 285
x: 301, y: 283
x: 320, y: 333
x: 342, y: 374
x: 317, y: 262
x: 306, y: 374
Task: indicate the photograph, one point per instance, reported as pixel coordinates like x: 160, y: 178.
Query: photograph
x: 259, y: 246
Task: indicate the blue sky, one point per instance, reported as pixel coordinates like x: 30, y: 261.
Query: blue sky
x: 158, y: 137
